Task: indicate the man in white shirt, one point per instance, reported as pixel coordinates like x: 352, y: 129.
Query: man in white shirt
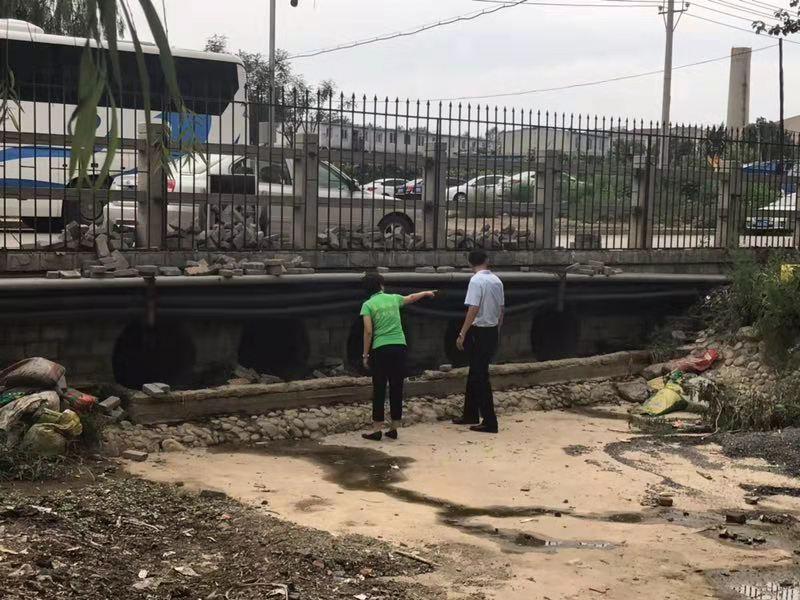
x: 479, y: 334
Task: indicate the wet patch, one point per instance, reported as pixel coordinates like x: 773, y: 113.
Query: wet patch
x: 312, y: 504
x: 576, y: 450
x: 370, y: 470
x: 771, y: 490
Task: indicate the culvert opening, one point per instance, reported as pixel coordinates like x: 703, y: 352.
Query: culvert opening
x: 275, y: 347
x: 455, y: 356
x: 163, y: 353
x: 554, y: 335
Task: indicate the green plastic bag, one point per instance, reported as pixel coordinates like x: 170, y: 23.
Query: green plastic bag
x: 44, y: 439
x: 68, y: 423
x: 665, y: 401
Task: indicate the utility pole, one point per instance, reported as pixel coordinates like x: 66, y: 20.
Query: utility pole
x: 271, y: 107
x: 666, y: 96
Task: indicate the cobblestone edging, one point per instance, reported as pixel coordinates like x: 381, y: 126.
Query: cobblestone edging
x: 316, y: 422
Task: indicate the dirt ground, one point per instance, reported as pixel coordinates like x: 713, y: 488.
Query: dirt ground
x: 559, y: 505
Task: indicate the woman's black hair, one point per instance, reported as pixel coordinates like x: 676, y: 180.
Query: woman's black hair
x: 373, y: 282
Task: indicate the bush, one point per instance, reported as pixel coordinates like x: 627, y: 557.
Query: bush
x: 731, y: 411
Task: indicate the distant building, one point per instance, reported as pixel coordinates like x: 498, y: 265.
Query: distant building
x: 792, y: 124
x: 536, y: 140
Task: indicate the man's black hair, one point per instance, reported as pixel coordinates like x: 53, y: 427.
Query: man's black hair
x: 373, y: 282
x: 478, y: 257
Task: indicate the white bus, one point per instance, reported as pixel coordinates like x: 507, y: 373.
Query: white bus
x: 46, y: 72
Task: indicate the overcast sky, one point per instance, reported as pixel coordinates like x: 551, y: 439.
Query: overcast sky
x: 520, y: 48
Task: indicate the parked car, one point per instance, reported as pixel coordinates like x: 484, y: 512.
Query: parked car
x: 485, y: 185
x: 413, y: 188
x: 776, y: 217
x: 342, y: 200
x: 385, y: 186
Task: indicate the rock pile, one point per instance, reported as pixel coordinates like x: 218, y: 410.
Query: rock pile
x: 316, y: 422
x: 508, y: 238
x: 359, y: 238
x: 114, y: 264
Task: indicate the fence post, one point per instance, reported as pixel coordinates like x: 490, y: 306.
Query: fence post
x: 151, y: 213
x: 727, y: 226
x: 306, y: 191
x: 548, y: 174
x: 640, y: 235
x: 434, y: 189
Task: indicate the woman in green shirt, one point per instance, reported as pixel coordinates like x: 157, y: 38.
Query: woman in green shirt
x: 385, y: 351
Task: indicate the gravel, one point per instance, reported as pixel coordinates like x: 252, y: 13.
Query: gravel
x: 780, y: 448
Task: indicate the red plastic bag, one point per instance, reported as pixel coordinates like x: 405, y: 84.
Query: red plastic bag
x: 79, y: 401
x: 695, y: 364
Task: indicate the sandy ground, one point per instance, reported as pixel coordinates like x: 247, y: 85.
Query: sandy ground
x: 558, y: 505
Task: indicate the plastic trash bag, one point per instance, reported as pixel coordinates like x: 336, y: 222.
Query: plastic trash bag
x: 665, y: 401
x: 67, y: 422
x: 79, y: 401
x: 695, y: 364
x: 44, y: 439
x: 35, y: 372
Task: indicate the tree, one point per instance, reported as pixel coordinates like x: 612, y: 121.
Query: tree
x: 763, y: 139
x: 788, y: 21
x: 298, y: 105
x: 59, y: 17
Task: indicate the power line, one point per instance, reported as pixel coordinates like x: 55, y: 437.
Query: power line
x: 742, y: 9
x: 419, y: 29
x: 593, y: 83
x: 721, y: 12
x: 729, y: 26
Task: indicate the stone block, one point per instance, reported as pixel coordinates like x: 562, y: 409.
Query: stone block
x: 135, y: 455
x: 276, y: 270
x: 126, y: 273
x: 445, y: 269
x: 70, y: 274
x: 156, y: 390
x: 147, y: 270
x: 110, y: 404
x: 53, y: 275
x: 169, y: 272
x: 425, y: 270
x: 101, y: 245
x: 299, y: 271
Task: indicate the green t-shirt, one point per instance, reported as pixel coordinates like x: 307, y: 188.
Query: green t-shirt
x: 384, y: 310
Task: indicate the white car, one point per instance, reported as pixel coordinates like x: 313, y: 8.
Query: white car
x: 342, y: 201
x: 390, y: 187
x: 481, y: 187
x: 778, y: 216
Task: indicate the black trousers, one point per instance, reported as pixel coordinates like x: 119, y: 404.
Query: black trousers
x: 388, y: 366
x: 480, y: 345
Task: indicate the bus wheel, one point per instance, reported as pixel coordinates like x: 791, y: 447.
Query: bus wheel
x: 393, y: 223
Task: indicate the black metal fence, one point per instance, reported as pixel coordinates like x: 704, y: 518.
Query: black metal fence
x: 346, y: 173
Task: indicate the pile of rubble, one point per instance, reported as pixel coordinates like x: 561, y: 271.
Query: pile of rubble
x: 509, y: 238
x: 113, y: 264
x: 39, y: 414
x: 391, y: 238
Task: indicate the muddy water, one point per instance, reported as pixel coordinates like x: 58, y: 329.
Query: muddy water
x: 370, y: 470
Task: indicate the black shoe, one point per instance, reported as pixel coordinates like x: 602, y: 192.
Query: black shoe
x: 392, y: 434
x: 375, y: 436
x: 483, y: 428
x: 463, y: 421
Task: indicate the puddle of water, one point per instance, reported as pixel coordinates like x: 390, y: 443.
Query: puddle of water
x: 370, y: 470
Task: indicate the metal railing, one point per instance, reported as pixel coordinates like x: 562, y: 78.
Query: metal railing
x: 348, y: 173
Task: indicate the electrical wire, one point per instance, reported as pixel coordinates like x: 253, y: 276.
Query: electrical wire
x: 729, y: 26
x: 469, y: 17
x: 721, y: 12
x: 418, y: 29
x: 592, y: 83
x: 742, y: 9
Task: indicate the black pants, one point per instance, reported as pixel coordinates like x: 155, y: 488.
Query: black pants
x: 388, y: 366
x: 480, y: 344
